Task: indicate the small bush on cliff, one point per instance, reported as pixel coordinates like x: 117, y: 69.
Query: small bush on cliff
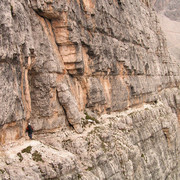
x: 20, y: 156
x: 84, y: 122
x: 91, y: 118
x: 36, y: 156
x: 89, y: 168
x: 2, y: 171
x: 27, y: 150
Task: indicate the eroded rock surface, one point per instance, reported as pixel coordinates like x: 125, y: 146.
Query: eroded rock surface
x: 139, y: 143
x: 60, y: 60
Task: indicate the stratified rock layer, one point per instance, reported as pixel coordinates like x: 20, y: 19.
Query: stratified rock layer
x: 63, y: 64
x: 140, y: 143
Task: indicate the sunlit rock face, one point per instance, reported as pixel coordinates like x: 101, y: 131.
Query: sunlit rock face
x: 63, y: 63
x: 110, y: 54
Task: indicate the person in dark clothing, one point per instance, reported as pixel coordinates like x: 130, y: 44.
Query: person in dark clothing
x: 29, y: 130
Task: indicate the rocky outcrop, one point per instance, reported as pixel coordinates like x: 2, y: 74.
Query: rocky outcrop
x: 112, y: 56
x: 64, y: 63
x: 139, y: 143
x: 70, y: 107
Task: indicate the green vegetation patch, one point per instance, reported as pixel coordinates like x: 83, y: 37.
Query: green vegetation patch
x: 143, y: 156
x: 89, y: 168
x: 95, y: 131
x: 2, y: 171
x: 84, y: 122
x: 103, y: 146
x: 27, y: 150
x: 90, y: 117
x: 79, y: 176
x: 20, y: 156
x: 36, y: 156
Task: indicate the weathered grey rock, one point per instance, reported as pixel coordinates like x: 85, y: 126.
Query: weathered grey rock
x: 113, y: 53
x: 59, y: 58
x: 70, y: 106
x: 140, y: 143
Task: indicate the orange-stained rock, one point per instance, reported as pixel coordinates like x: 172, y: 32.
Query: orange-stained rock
x: 97, y: 83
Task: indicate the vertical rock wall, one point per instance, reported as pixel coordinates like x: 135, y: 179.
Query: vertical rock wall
x: 111, y: 55
x: 64, y: 62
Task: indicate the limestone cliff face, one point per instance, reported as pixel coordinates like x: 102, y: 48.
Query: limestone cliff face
x: 110, y: 54
x: 59, y: 59
x: 139, y: 143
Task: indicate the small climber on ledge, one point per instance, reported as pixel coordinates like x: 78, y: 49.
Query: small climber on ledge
x: 29, y: 130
